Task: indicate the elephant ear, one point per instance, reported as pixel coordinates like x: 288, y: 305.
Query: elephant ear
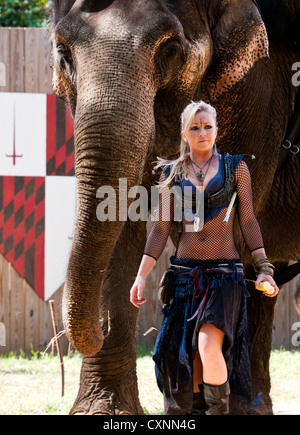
x: 239, y: 40
x: 60, y: 8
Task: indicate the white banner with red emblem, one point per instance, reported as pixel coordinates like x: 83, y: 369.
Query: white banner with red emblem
x: 37, y: 188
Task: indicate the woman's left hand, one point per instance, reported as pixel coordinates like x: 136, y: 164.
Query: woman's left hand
x: 264, y: 277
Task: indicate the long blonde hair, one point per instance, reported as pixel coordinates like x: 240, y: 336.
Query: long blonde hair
x: 179, y: 167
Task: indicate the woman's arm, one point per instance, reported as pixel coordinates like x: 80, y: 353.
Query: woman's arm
x: 247, y: 219
x: 159, y: 233
x: 261, y: 276
x: 250, y: 227
x: 139, y: 284
x: 156, y: 242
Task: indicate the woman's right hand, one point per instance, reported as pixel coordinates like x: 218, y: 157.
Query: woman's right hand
x: 136, y: 291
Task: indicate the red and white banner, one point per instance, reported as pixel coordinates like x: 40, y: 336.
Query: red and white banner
x: 37, y: 188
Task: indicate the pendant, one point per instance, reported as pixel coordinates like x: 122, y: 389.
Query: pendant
x: 200, y: 176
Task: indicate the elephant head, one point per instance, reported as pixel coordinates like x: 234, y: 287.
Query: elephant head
x: 127, y: 69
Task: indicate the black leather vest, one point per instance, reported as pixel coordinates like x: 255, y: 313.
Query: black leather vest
x: 220, y: 198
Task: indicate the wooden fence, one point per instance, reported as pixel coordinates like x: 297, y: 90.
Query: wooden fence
x: 25, y: 67
x: 287, y: 320
x: 26, y: 317
x: 25, y: 54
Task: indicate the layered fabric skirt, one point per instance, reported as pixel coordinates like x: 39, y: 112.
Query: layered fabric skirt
x: 210, y: 291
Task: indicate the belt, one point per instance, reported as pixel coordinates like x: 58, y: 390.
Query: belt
x: 200, y: 272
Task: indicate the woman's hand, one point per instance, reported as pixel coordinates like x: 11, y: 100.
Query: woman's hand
x: 136, y: 291
x: 264, y: 277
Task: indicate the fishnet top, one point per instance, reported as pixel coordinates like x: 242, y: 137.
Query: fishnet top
x: 216, y: 239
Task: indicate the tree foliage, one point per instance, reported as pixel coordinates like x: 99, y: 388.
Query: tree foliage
x: 23, y: 13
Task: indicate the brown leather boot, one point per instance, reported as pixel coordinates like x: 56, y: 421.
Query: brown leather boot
x: 217, y: 398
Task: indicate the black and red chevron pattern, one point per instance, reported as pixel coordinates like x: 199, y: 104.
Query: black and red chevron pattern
x: 22, y: 226
x: 60, y: 138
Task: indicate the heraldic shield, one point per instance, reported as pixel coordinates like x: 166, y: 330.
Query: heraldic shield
x: 37, y: 188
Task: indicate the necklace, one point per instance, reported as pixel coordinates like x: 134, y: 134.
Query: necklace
x: 200, y: 175
x: 199, y: 216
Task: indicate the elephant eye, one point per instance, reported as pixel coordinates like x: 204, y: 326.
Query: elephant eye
x: 171, y: 49
x: 169, y: 59
x: 64, y: 57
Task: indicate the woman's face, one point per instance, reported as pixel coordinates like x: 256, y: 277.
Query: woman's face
x: 202, y: 133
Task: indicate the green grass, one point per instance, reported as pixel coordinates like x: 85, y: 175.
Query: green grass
x: 33, y: 386
x: 285, y: 379
x: 150, y: 396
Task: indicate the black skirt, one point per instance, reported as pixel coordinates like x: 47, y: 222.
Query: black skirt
x: 211, y: 291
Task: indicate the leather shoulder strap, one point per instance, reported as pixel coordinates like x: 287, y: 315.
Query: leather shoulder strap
x: 233, y: 160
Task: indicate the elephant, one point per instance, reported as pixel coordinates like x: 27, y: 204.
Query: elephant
x: 127, y: 69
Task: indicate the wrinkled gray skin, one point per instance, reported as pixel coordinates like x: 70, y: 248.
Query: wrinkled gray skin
x: 127, y: 68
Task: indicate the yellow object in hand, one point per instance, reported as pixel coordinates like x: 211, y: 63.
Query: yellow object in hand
x: 266, y: 287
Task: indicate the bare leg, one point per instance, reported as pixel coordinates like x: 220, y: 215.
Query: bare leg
x: 210, y: 349
x: 197, y: 373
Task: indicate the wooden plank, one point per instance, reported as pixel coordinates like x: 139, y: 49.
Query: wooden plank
x: 5, y: 57
x: 280, y: 314
x: 17, y: 60
x: 17, y: 318
x: 31, y: 59
x: 32, y: 309
x: 6, y: 309
x: 286, y: 317
x: 3, y: 306
x: 295, y: 317
x: 45, y: 70
x: 44, y: 325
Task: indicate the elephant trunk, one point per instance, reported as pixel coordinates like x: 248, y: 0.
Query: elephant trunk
x: 108, y: 139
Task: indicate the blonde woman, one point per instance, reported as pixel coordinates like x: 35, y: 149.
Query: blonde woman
x: 201, y: 352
